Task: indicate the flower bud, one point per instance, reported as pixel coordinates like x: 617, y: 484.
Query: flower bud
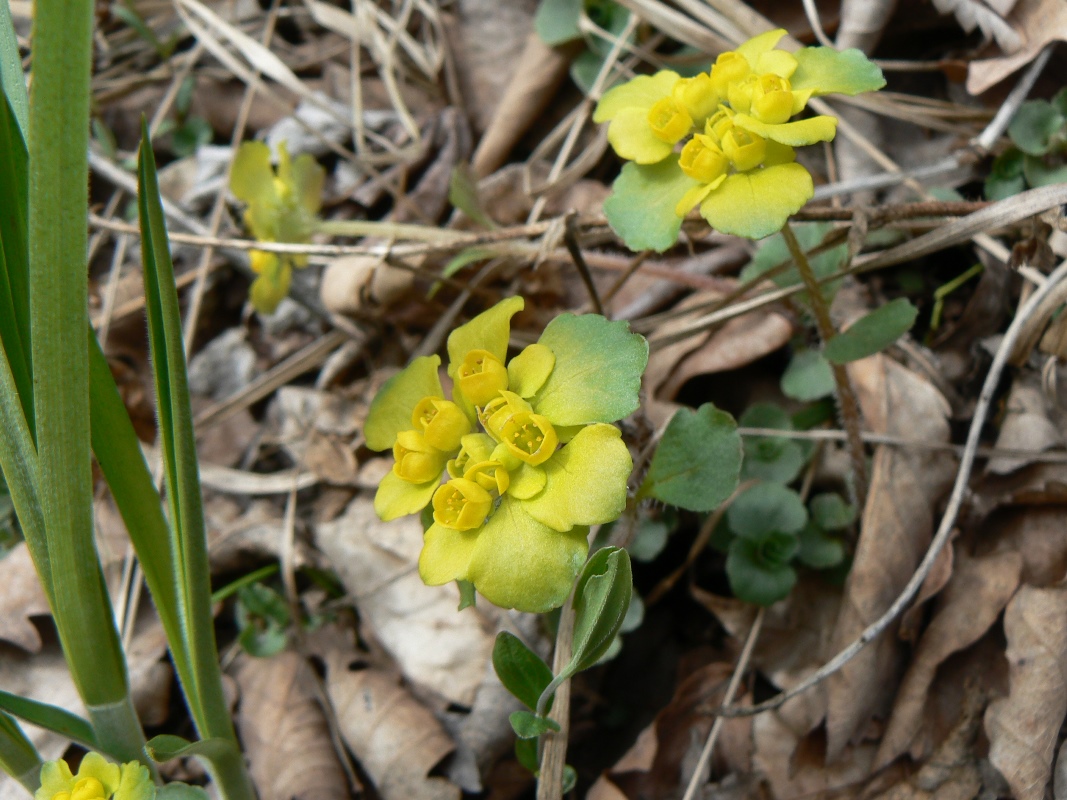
x: 729, y: 68
x: 745, y: 150
x: 481, y: 377
x: 461, y: 504
x: 416, y: 460
x: 529, y: 437
x: 669, y: 121
x: 740, y: 94
x: 261, y: 261
x: 442, y: 422
x: 697, y: 96
x: 772, y: 100
x: 497, y: 412
x: 702, y: 160
x: 718, y: 124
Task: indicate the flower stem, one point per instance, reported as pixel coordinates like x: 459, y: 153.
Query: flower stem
x: 847, y: 405
x: 554, y: 754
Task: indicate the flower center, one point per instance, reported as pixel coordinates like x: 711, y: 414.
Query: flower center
x: 702, y: 160
x: 86, y: 789
x: 529, y: 437
x: 461, y: 504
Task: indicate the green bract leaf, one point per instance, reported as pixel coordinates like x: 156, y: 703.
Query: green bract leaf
x: 167, y: 746
x: 528, y: 725
x: 468, y: 596
x: 1034, y: 126
x: 808, y: 377
x: 641, y: 206
x: 597, y: 373
x: 872, y: 333
x: 601, y: 600
x: 757, y: 203
x: 825, y: 70
x: 526, y: 754
x: 818, y: 550
x: 770, y: 458
x: 759, y: 570
x: 520, y: 669
x: 698, y: 461
x: 463, y: 194
x: 830, y: 512
x: 1039, y: 173
x: 556, y: 21
x: 391, y: 409
x: 180, y: 791
x: 765, y: 508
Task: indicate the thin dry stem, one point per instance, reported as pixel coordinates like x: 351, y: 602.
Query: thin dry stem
x: 554, y: 757
x: 847, y: 405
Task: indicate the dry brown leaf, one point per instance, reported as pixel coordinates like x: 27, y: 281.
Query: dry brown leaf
x: 435, y: 646
x: 664, y: 754
x: 897, y: 524
x: 396, y: 739
x: 284, y: 731
x: 1041, y: 22
x: 970, y: 604
x: 1022, y: 727
x: 1038, y: 535
x: 21, y: 599
x: 1026, y: 425
x: 537, y: 74
x: 736, y: 344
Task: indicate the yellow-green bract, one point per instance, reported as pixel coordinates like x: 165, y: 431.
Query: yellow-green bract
x: 530, y: 455
x: 723, y: 140
x: 281, y: 208
x: 96, y: 779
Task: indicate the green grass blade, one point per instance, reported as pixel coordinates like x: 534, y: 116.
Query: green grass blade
x: 58, y: 206
x: 18, y: 756
x: 12, y: 83
x: 178, y: 444
x: 14, y: 259
x: 118, y: 452
x: 51, y: 717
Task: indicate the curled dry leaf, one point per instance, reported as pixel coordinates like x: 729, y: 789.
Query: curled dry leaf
x: 1040, y: 22
x: 359, y: 283
x: 435, y: 647
x: 21, y: 599
x: 1026, y: 425
x: 1023, y: 727
x: 1038, y: 535
x: 284, y: 731
x: 396, y: 739
x: 897, y: 525
x: 970, y: 604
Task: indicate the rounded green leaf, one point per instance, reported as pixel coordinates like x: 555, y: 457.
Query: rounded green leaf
x: 397, y: 497
x: 872, y: 333
x: 818, y: 550
x: 1034, y: 125
x: 390, y: 411
x: 1045, y: 171
x: 598, y: 370
x: 795, y: 134
x: 770, y: 458
x: 518, y: 562
x: 808, y: 377
x: 252, y: 175
x: 830, y: 511
x: 825, y: 70
x: 556, y: 21
x: 698, y: 461
x: 759, y: 569
x: 1006, y: 176
x: 767, y: 508
x: 520, y: 669
x: 585, y: 482
x: 641, y: 207
x: 644, y: 91
x: 756, y: 204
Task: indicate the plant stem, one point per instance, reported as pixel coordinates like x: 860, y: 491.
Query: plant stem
x: 554, y: 756
x: 847, y: 405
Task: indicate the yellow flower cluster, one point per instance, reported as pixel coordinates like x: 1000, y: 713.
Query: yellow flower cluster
x: 726, y: 133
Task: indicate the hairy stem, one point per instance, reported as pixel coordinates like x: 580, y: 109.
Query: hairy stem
x: 554, y: 755
x: 847, y: 405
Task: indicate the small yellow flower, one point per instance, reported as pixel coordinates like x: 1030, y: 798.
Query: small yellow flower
x: 97, y: 779
x: 281, y: 207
